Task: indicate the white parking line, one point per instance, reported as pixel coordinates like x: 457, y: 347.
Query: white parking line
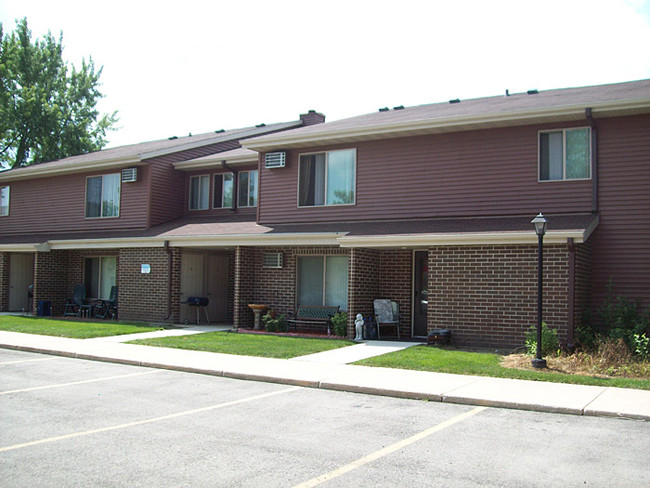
x: 147, y: 421
x: 18, y: 361
x: 388, y: 449
x: 61, y: 385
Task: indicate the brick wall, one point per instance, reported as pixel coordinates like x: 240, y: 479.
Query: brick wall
x: 363, y: 284
x: 396, y: 283
x: 244, y: 292
x: 582, y: 282
x: 143, y: 296
x: 4, y: 281
x: 54, y: 274
x: 487, y: 295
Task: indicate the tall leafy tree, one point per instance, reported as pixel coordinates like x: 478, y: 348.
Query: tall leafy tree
x: 47, y: 111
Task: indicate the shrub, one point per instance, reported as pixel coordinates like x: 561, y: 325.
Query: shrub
x: 550, y: 343
x: 340, y: 323
x: 623, y: 317
x: 273, y: 322
x: 642, y: 345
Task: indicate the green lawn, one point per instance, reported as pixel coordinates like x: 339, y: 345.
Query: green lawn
x: 425, y: 358
x: 247, y: 344
x: 70, y: 328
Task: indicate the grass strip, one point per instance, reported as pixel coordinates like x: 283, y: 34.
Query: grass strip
x: 423, y: 358
x: 267, y: 346
x: 70, y: 328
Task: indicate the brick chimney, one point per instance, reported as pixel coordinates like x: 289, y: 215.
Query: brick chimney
x: 311, y: 118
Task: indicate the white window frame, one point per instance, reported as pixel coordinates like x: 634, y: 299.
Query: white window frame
x: 564, y: 153
x: 189, y: 203
x: 248, y: 189
x: 5, y: 189
x: 327, y: 153
x: 223, y: 183
x: 101, y: 197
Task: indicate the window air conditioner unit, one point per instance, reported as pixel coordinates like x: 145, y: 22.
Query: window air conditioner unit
x: 275, y: 160
x: 272, y: 260
x: 129, y: 175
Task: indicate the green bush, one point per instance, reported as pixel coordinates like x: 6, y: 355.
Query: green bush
x: 273, y: 323
x: 642, y: 345
x: 340, y: 323
x: 623, y: 318
x: 550, y: 343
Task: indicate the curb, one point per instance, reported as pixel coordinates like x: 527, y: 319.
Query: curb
x: 343, y: 386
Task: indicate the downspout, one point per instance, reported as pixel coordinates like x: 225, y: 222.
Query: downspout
x: 571, y: 294
x: 235, y: 183
x: 594, y: 160
x: 169, y: 281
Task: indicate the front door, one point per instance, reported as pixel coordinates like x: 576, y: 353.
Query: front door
x: 420, y: 293
x: 21, y: 276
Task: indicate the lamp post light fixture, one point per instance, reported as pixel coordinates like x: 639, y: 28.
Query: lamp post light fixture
x: 540, y: 229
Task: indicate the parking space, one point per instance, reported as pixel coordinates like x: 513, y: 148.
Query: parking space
x: 68, y: 422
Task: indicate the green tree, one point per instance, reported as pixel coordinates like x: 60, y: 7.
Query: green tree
x: 47, y: 111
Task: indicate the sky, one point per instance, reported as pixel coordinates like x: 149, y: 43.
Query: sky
x: 179, y: 67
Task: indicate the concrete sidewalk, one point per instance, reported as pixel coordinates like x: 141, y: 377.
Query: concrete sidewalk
x: 308, y: 372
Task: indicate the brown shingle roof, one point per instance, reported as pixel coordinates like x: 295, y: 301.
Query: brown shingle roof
x: 561, y: 104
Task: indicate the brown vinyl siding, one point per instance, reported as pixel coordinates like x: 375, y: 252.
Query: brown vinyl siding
x: 471, y: 173
x: 621, y: 243
x: 58, y: 204
x: 169, y: 186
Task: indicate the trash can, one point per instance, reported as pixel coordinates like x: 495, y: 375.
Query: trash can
x: 44, y: 309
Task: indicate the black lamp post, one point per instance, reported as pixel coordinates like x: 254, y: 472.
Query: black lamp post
x: 540, y: 229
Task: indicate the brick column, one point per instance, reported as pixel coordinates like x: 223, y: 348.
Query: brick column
x: 244, y: 286
x: 363, y: 284
x: 4, y: 280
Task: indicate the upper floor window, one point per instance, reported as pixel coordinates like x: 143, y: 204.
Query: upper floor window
x: 327, y: 178
x: 103, y: 195
x: 247, y: 189
x: 4, y: 201
x: 565, y: 154
x: 223, y: 190
x: 199, y: 192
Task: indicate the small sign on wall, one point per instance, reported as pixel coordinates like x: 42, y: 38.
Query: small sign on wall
x: 145, y: 268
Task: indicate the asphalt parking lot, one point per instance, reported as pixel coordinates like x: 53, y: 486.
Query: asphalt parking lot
x: 70, y: 422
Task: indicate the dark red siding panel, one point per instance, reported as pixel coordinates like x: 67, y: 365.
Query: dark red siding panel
x: 472, y: 173
x: 57, y: 204
x: 621, y: 243
x: 168, y: 186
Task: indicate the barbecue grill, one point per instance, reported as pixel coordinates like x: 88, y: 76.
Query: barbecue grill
x: 198, y: 303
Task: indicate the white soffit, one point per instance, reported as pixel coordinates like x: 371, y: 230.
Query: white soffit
x: 462, y: 239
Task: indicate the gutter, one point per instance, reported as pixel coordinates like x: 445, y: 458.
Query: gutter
x: 444, y: 124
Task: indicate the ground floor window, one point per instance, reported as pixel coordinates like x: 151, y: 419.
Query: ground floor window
x: 100, y: 275
x: 323, y: 280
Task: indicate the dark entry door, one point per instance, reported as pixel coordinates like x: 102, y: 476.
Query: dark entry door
x: 420, y: 293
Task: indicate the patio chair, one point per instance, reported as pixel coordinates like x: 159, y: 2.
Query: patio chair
x: 386, y: 314
x: 107, y: 308
x: 74, y: 305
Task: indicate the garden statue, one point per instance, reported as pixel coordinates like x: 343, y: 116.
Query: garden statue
x: 358, y: 326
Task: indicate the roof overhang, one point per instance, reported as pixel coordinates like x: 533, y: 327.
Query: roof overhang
x: 345, y: 134
x: 489, y: 232
x: 46, y: 170
x: 210, y: 162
